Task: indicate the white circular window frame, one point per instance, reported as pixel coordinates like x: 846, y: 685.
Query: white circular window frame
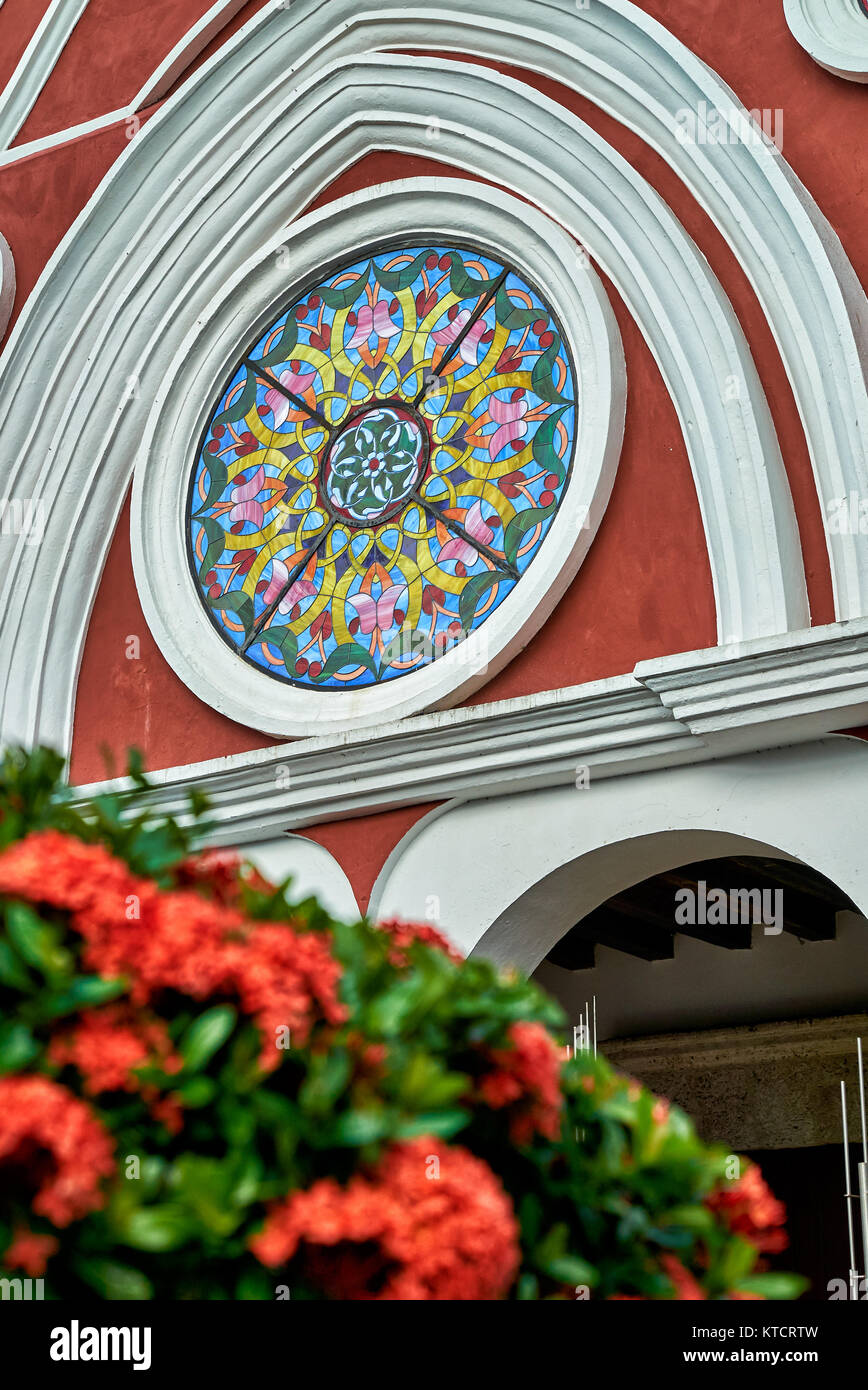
x: 446, y: 210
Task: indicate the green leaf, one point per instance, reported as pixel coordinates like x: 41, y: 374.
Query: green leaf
x: 541, y: 377
x: 85, y: 992
x: 543, y: 447
x: 462, y: 283
x: 12, y: 970
x: 157, y: 1228
x: 522, y: 522
x: 280, y: 350
x: 17, y: 1047
x: 285, y: 640
x: 473, y: 591
x: 236, y: 601
x: 216, y: 538
x: 241, y: 405
x: 363, y: 1126
x: 347, y: 654
x: 443, y: 1123
x: 570, y: 1269
x: 510, y: 315
x: 196, y: 1092
x: 328, y: 1077
x: 37, y: 941
x: 206, y: 1035
x: 218, y: 477
x: 114, y: 1281
x: 774, y: 1287
x: 344, y: 295
x: 402, y: 277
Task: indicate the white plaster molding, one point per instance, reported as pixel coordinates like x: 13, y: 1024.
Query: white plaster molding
x: 7, y: 283
x: 445, y: 209
x: 834, y: 33
x: 153, y: 247
x: 315, y: 873
x: 611, y: 728
x: 613, y: 53
x: 186, y: 51
x: 514, y: 873
x: 36, y: 65
x: 61, y: 137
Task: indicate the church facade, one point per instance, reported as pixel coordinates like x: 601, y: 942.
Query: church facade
x: 442, y: 436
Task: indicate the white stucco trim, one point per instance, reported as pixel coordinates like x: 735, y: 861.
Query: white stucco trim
x: 36, y: 65
x: 7, y: 283
x: 511, y: 875
x: 171, y: 242
x: 442, y: 209
x: 834, y: 33
x: 691, y: 708
x: 613, y: 53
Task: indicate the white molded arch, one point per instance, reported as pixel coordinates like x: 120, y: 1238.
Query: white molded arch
x: 512, y: 875
x: 169, y: 244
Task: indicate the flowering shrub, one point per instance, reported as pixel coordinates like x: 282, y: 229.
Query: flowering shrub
x: 206, y: 1092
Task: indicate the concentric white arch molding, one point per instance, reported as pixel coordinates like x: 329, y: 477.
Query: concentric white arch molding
x: 834, y: 33
x: 204, y: 185
x: 7, y: 283
x: 416, y: 209
x: 36, y: 65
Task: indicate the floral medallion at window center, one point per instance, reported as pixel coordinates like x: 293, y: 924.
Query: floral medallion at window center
x: 382, y: 466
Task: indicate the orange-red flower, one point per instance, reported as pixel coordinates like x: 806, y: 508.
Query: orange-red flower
x: 750, y: 1209
x: 178, y: 940
x: 403, y: 934
x: 430, y: 1222
x: 105, y: 1046
x: 686, y: 1287
x: 30, y: 1252
x: 54, y: 1138
x: 525, y: 1078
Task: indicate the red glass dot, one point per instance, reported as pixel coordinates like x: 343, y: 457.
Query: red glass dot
x: 445, y: 262
x: 314, y: 301
x: 354, y: 626
x: 210, y: 577
x: 301, y: 311
x: 540, y: 326
x: 214, y: 591
x: 237, y: 527
x: 455, y: 629
x: 551, y: 480
x: 431, y: 261
x: 546, y: 499
x: 546, y: 339
x: 213, y: 446
x: 219, y: 431
x: 460, y: 569
x: 300, y: 666
x: 399, y: 616
x: 314, y: 668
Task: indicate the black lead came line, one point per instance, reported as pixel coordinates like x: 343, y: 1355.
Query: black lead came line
x: 292, y: 576
x: 448, y: 522
x: 298, y: 401
x: 474, y: 317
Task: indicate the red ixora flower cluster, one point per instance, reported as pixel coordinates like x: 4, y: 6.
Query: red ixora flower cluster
x: 750, y: 1209
x: 430, y: 1222
x: 403, y: 934
x: 526, y: 1079
x: 178, y: 940
x: 105, y: 1046
x: 54, y: 1139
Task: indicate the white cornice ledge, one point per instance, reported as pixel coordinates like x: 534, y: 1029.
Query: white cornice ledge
x: 687, y: 708
x: 834, y: 33
x: 772, y: 691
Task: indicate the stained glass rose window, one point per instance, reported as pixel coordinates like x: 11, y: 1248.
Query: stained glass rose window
x: 382, y: 466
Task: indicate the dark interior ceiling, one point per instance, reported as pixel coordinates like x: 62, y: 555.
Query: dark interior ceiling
x: 641, y: 921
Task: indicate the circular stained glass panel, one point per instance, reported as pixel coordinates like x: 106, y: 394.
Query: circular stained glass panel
x: 382, y: 466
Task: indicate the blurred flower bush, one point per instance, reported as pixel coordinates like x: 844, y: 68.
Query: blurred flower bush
x: 209, y: 1092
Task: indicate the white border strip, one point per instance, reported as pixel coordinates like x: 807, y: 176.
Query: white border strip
x: 36, y: 65
x: 834, y: 33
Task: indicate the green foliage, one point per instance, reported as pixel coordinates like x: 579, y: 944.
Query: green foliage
x: 600, y: 1207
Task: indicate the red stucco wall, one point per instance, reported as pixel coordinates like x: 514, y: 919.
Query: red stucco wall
x: 645, y: 588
